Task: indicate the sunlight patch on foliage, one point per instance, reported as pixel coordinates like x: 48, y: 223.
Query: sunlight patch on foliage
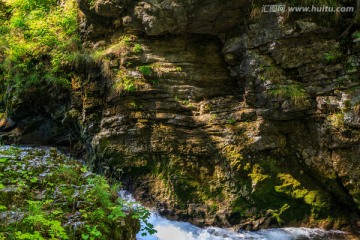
x: 38, y: 40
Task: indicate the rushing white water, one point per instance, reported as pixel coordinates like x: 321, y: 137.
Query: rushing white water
x: 174, y: 230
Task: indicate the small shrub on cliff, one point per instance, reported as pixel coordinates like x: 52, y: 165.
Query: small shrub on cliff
x: 145, y: 70
x: 294, y: 92
x: 137, y: 48
x: 331, y: 57
x: 125, y: 83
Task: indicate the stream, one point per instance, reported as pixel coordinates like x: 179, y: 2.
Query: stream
x: 174, y: 230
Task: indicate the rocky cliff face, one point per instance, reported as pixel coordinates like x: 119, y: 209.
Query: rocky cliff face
x: 218, y: 118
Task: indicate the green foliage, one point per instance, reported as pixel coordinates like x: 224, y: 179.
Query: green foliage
x: 231, y: 121
x: 137, y: 48
x: 356, y: 34
x: 143, y: 214
x: 56, y: 194
x: 185, y: 102
x: 29, y: 236
x: 127, y: 40
x: 91, y: 2
x: 331, y: 57
x: 120, y: 47
x: 271, y: 73
x: 92, y: 233
x: 294, y: 92
x: 125, y: 82
x: 43, y: 224
x: 30, y: 5
x: 38, y: 41
x: 145, y: 70
x: 154, y: 81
